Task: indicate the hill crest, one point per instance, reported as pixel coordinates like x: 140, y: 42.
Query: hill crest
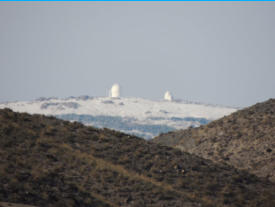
x: 244, y: 139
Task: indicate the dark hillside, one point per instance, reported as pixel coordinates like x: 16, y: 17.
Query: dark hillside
x: 48, y: 162
x: 244, y: 139
x: 6, y: 204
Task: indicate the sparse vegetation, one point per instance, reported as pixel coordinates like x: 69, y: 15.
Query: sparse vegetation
x: 48, y: 162
x: 244, y: 139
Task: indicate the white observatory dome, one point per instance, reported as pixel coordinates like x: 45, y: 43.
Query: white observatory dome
x: 168, y: 96
x: 115, y: 91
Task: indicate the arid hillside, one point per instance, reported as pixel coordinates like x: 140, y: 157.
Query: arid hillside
x: 48, y: 162
x: 6, y: 204
x: 244, y: 139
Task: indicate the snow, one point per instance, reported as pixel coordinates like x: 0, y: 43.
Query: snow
x: 141, y: 109
x: 142, y: 117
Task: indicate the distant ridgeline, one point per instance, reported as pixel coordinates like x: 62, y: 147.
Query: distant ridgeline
x: 137, y: 116
x: 130, y: 125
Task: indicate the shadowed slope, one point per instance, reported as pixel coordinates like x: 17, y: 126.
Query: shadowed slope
x: 244, y: 139
x: 48, y: 162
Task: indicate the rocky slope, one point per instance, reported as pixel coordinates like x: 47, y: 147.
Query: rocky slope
x: 48, y: 162
x: 244, y: 139
x: 6, y: 204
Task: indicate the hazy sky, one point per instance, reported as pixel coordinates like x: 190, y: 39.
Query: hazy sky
x: 221, y: 53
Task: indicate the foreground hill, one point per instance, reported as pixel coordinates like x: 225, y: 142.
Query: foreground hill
x: 6, y: 204
x: 142, y: 117
x: 244, y: 139
x: 48, y: 162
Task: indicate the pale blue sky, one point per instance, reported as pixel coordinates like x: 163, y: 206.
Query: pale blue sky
x: 220, y: 53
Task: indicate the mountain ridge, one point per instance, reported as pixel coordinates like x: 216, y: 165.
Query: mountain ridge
x: 132, y: 113
x: 244, y: 139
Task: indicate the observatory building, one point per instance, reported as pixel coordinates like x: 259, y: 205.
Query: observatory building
x: 168, y: 96
x: 114, y: 91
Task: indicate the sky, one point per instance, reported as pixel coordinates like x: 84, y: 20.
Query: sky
x: 211, y: 52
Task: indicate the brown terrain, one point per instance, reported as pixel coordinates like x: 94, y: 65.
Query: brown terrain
x: 244, y: 139
x: 5, y: 204
x: 48, y: 162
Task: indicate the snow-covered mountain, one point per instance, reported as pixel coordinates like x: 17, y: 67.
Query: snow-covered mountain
x: 145, y: 118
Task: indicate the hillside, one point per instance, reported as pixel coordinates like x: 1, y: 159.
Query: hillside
x: 244, y: 139
x: 6, y: 204
x: 48, y: 162
x: 142, y: 117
